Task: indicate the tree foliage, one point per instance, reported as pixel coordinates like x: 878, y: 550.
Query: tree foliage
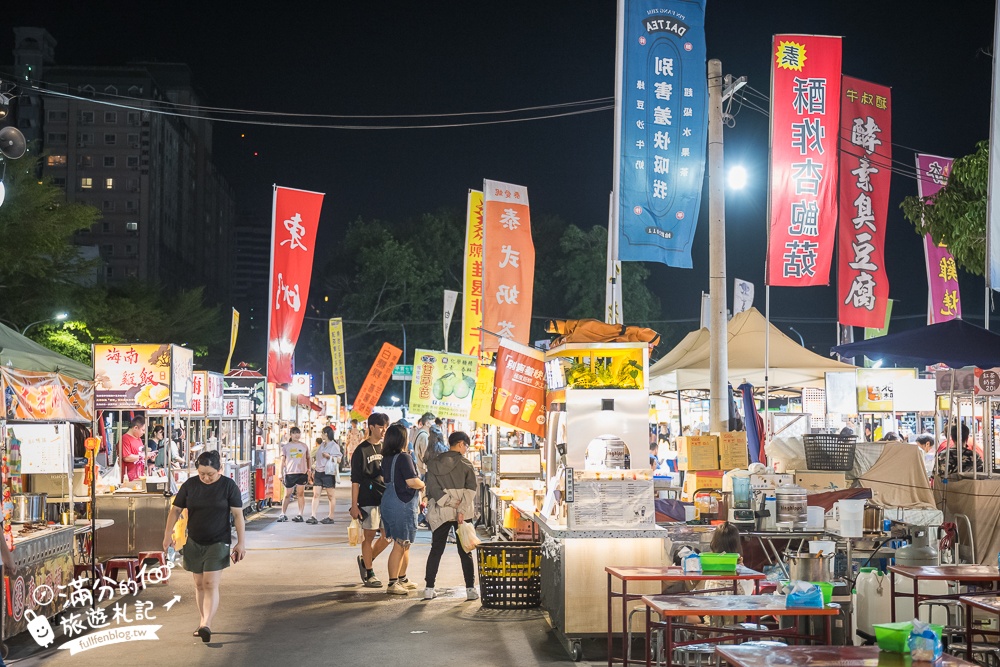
x: 956, y: 215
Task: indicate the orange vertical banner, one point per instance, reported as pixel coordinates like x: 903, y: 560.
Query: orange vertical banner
x: 378, y: 376
x: 519, y: 388
x: 508, y: 264
x: 472, y: 293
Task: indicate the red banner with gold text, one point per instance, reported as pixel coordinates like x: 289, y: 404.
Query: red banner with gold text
x: 805, y: 109
x: 865, y: 172
x: 378, y: 376
x: 295, y: 217
x: 508, y: 264
x: 519, y: 388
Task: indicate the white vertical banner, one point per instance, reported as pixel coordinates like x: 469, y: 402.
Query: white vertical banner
x: 742, y: 295
x: 450, y: 299
x: 613, y: 288
x: 992, y: 212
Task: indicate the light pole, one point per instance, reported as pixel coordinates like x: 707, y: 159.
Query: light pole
x: 801, y: 339
x: 59, y: 317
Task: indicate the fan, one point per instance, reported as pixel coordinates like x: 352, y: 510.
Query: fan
x: 12, y: 143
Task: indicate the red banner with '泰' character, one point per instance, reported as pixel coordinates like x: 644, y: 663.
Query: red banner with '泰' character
x: 805, y: 110
x: 293, y: 242
x: 378, y: 376
x: 865, y: 172
x: 519, y: 388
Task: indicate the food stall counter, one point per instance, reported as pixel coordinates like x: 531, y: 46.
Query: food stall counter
x: 42, y: 556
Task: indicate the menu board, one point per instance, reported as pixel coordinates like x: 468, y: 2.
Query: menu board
x: 44, y: 447
x: 132, y: 377
x: 612, y: 504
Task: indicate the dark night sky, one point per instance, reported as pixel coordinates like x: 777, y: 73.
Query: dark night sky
x: 443, y: 57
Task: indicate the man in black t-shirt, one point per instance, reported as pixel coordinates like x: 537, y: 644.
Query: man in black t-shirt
x: 366, y: 496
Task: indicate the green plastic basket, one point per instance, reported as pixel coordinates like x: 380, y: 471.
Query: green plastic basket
x: 719, y: 562
x: 895, y: 637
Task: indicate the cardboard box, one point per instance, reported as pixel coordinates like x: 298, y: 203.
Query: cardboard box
x: 820, y: 481
x: 705, y: 479
x: 733, y: 451
x: 769, y: 482
x: 698, y: 452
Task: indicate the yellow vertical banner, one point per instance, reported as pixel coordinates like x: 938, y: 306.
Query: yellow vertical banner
x: 482, y: 398
x: 337, y: 353
x: 233, y: 330
x: 472, y: 292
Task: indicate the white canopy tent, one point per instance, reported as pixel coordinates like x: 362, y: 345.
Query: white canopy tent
x: 791, y: 365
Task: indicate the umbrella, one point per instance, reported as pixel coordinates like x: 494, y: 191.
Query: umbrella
x: 754, y: 424
x: 955, y: 343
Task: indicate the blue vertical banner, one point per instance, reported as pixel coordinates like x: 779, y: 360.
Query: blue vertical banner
x: 662, y: 131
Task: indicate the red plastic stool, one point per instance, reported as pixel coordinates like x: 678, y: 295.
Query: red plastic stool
x: 86, y: 570
x: 113, y: 565
x: 160, y: 558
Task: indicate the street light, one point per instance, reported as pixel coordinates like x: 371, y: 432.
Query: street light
x: 394, y: 399
x: 59, y: 317
x: 801, y: 339
x: 737, y: 178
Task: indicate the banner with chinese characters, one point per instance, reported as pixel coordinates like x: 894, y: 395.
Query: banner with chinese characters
x: 199, y: 395
x: 472, y: 290
x: 482, y: 398
x: 865, y: 172
x: 374, y: 384
x: 181, y: 377
x: 805, y: 122
x: 508, y: 264
x: 216, y: 388
x: 339, y: 373
x: 295, y: 217
x: 987, y: 382
x: 876, y: 332
x: 875, y: 387
x: 37, y: 395
x: 944, y: 300
x: 443, y: 384
x: 662, y: 130
x: 132, y: 377
x: 519, y: 388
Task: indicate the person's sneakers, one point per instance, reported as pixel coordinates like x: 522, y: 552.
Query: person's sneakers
x: 373, y: 582
x: 429, y: 593
x: 362, y: 569
x: 298, y: 518
x: 312, y: 520
x: 396, y: 589
x: 471, y: 594
x: 424, y: 524
x: 282, y: 517
x: 407, y: 584
x: 328, y: 521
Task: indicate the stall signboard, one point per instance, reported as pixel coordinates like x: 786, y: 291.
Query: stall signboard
x: 199, y: 395
x: 132, y: 377
x: 875, y: 387
x: 44, y: 448
x: 216, y: 385
x: 443, y: 383
x: 272, y: 399
x: 519, y: 387
x: 181, y: 376
x: 301, y: 384
x: 256, y: 386
x: 482, y: 398
x: 374, y: 384
x: 987, y: 379
x: 245, y: 408
x: 286, y: 407
x: 230, y: 408
x: 37, y: 395
x: 332, y: 403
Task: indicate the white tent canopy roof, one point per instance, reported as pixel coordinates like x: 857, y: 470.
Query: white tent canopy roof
x: 687, y: 365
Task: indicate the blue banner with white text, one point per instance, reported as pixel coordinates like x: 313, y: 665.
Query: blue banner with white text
x: 664, y: 125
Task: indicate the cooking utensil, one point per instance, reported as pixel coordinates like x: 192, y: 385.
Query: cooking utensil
x: 28, y: 507
x: 808, y: 567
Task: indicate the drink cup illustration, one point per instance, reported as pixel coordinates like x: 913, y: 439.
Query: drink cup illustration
x: 529, y: 407
x: 502, y: 396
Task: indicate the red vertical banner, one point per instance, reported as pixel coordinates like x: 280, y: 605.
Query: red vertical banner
x: 508, y: 264
x: 865, y: 173
x: 519, y: 388
x: 378, y: 376
x: 295, y: 217
x: 805, y: 119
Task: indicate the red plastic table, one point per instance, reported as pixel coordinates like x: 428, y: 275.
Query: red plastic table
x: 962, y: 574
x: 869, y: 656
x: 663, y: 574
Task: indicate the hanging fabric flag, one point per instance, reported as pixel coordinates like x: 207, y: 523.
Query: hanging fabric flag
x: 374, y: 384
x: 519, y: 388
x: 613, y: 286
x: 742, y: 295
x: 865, y: 172
x: 472, y: 289
x: 661, y: 126
x: 294, y: 219
x: 339, y: 368
x: 877, y: 332
x: 944, y: 300
x: 234, y: 329
x: 805, y: 120
x: 508, y: 264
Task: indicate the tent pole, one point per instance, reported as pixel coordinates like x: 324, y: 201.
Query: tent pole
x: 767, y: 362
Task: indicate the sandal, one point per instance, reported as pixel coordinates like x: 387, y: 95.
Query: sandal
x: 205, y: 634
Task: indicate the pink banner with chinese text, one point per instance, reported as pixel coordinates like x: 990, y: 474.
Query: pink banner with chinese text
x: 944, y: 300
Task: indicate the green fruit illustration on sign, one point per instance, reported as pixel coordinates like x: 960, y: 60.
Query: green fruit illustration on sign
x: 449, y: 384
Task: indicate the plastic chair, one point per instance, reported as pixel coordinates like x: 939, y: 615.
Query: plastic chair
x: 85, y: 570
x: 113, y: 566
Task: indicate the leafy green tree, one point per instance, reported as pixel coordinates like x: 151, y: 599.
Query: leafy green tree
x: 956, y: 215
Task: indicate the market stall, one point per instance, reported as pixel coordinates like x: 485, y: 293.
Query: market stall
x: 48, y: 402
x: 253, y: 387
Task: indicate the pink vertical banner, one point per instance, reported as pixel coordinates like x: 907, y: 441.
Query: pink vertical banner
x: 944, y: 301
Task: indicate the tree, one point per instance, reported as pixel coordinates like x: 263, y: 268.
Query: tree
x: 956, y: 215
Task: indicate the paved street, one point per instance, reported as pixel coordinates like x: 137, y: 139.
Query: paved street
x: 297, y: 600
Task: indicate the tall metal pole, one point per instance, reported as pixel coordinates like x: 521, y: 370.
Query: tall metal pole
x: 404, y: 363
x: 718, y: 331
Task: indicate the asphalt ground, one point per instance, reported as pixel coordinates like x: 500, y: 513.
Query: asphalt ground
x: 297, y: 599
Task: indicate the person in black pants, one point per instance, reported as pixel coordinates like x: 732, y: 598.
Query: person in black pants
x: 451, y: 496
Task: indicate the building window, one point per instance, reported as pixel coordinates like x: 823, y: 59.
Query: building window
x: 133, y: 116
x: 133, y: 140
x: 110, y: 139
x: 58, y: 116
x: 129, y: 250
x: 56, y: 138
x: 86, y: 183
x: 85, y: 161
x: 130, y: 206
x: 59, y: 182
x: 132, y: 161
x: 109, y: 272
x: 84, y: 139
x: 109, y: 205
x: 132, y: 184
x: 109, y: 184
x: 108, y: 250
x: 87, y: 117
x: 55, y: 161
x: 109, y: 160
x: 111, y: 117
x: 106, y: 227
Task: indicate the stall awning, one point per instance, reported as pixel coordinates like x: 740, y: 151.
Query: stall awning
x: 955, y: 343
x: 24, y: 354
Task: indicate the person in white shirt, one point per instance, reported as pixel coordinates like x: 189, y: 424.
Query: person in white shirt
x: 295, y: 464
x: 324, y: 474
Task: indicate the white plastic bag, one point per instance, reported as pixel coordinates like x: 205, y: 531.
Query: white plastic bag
x: 354, y: 533
x: 467, y: 537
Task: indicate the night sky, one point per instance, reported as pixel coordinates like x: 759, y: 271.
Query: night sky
x: 378, y: 58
